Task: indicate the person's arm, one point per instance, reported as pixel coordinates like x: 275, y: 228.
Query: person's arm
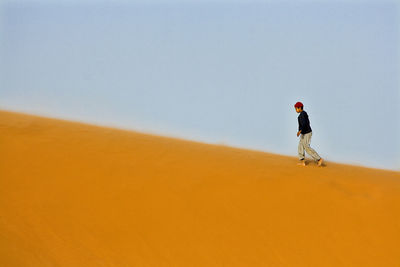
x: 298, y: 133
x: 300, y: 125
x: 304, y: 123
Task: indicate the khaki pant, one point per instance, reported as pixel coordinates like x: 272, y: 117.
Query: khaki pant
x: 304, y: 145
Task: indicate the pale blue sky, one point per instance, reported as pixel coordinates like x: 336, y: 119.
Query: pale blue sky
x: 217, y: 72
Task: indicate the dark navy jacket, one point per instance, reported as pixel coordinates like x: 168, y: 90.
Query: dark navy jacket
x: 304, y: 123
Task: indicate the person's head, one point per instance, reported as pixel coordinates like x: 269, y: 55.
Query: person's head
x: 299, y: 107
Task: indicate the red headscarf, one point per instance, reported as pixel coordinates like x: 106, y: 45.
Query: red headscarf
x: 298, y: 105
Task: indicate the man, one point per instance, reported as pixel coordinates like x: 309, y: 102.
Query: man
x: 305, y: 134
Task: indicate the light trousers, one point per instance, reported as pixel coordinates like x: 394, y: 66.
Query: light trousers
x: 304, y: 146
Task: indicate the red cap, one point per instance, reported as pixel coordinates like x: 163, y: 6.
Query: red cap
x: 298, y: 105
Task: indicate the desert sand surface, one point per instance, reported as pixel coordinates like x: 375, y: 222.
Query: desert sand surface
x: 73, y: 194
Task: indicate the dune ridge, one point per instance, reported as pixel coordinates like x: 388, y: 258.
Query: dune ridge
x: 73, y: 194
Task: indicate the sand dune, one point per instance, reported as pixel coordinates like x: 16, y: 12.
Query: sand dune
x: 78, y: 195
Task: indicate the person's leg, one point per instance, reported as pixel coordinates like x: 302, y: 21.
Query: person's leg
x: 300, y: 148
x: 307, y: 147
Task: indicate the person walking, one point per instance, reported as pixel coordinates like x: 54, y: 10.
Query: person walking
x: 305, y: 134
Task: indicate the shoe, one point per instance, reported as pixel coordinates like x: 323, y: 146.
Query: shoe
x: 320, y: 161
x: 302, y: 162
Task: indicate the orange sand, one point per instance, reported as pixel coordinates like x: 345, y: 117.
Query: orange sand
x: 78, y: 195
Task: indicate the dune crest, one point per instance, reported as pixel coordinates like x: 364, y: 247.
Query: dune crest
x: 79, y: 195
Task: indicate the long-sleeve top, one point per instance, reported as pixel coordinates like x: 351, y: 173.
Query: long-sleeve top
x: 304, y: 123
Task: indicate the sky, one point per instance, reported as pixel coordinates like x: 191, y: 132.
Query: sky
x: 213, y: 71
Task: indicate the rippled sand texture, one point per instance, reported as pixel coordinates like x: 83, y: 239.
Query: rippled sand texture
x: 78, y: 195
